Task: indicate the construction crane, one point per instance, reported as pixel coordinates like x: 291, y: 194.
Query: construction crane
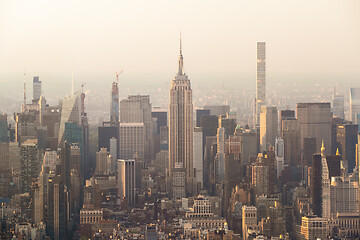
x: 117, y: 76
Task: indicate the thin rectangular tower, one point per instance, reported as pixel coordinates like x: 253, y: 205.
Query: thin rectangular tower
x: 260, y: 81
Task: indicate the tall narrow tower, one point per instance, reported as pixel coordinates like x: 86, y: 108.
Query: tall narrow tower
x: 114, y: 107
x: 36, y: 88
x: 260, y: 81
x: 181, y: 171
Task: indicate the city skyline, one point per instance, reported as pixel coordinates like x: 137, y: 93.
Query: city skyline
x: 263, y: 144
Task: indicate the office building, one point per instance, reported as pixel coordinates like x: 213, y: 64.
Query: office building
x: 290, y: 132
x: 15, y: 164
x: 70, y: 113
x: 315, y: 122
x: 126, y: 180
x: 220, y: 156
x: 314, y: 227
x: 325, y: 194
x: 279, y: 155
x: 209, y: 156
x: 73, y: 133
x: 85, y: 144
x: 338, y: 106
x: 229, y: 124
x: 268, y: 127
x: 344, y: 195
x: 209, y: 124
x: 4, y: 169
x: 198, y: 157
x: 51, y: 120
x: 75, y: 159
x: 50, y: 160
x: 161, y: 118
x: 101, y: 162
x: 263, y: 173
x: 113, y: 153
x: 131, y: 141
x: 217, y: 110
x: 36, y: 89
x: 309, y: 150
x: 346, y: 137
x: 137, y: 109
x: 248, y: 139
x: 260, y: 98
x: 4, y: 129
x: 57, y: 208
x: 285, y: 115
x: 25, y: 126
x: 316, y: 185
x: 199, y: 114
x: 105, y: 133
x: 334, y: 165
x: 39, y: 191
x: 181, y: 132
x: 30, y: 164
x: 354, y: 104
x: 249, y: 221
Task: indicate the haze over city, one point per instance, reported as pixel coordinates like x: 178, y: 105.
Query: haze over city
x: 309, y: 41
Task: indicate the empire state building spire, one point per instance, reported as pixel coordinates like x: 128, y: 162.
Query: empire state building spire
x: 181, y: 61
x: 181, y: 131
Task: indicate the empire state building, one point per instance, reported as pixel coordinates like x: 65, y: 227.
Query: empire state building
x: 181, y: 171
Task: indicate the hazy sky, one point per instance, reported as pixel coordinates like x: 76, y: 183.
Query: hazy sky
x: 310, y: 39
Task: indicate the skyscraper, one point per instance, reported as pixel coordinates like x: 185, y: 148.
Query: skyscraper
x: 114, y: 107
x: 29, y: 161
x: 217, y: 110
x: 4, y: 169
x: 354, y: 104
x: 126, y: 180
x: 325, y: 194
x: 36, y: 88
x: 344, y: 193
x: 316, y: 185
x: 181, y: 131
x: 315, y: 122
x: 198, y: 157
x: 199, y: 114
x: 105, y: 133
x: 346, y: 137
x: 338, y: 106
x: 137, y: 109
x: 4, y: 131
x: 220, y: 156
x: 290, y: 132
x: 279, y: 155
x: 260, y: 80
x: 285, y: 115
x: 101, y: 161
x: 70, y: 112
x: 268, y: 127
x: 131, y: 140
